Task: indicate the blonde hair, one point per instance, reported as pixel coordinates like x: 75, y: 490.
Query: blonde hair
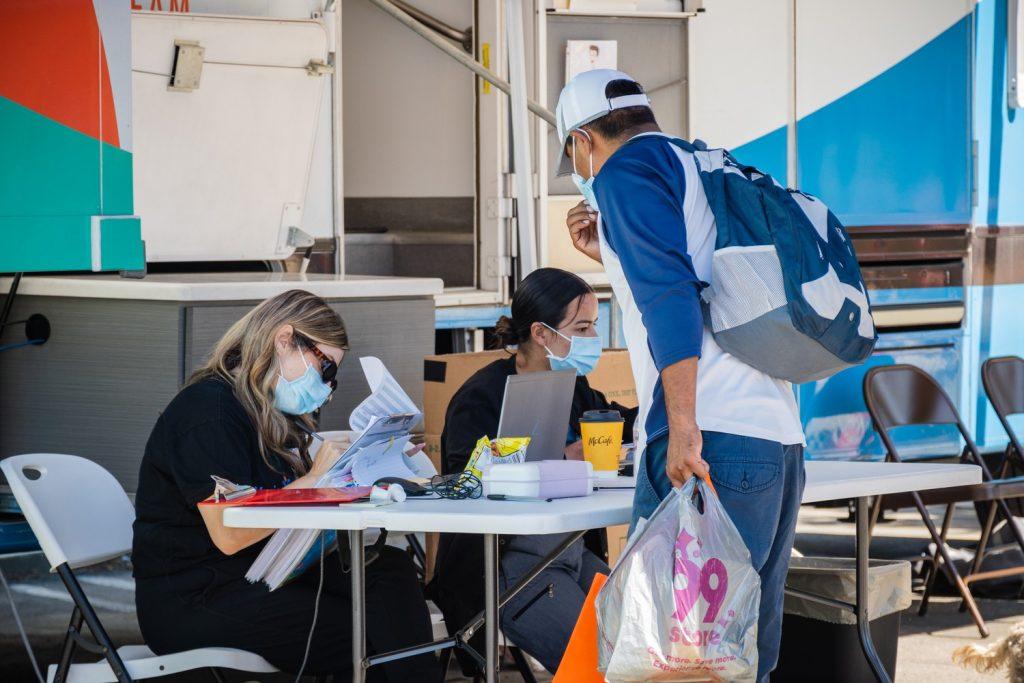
x: 246, y: 358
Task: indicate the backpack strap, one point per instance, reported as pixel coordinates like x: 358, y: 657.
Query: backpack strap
x: 686, y: 146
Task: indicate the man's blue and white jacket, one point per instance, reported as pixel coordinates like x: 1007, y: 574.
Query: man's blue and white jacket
x: 657, y: 237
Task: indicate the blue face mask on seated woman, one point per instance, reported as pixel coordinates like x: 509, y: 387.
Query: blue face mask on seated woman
x: 303, y: 395
x: 583, y: 353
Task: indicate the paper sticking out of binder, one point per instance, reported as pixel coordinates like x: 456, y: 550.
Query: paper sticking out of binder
x: 224, y: 490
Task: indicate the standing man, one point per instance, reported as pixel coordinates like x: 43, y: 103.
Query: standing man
x: 646, y: 218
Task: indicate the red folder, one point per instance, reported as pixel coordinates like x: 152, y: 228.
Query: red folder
x: 319, y: 496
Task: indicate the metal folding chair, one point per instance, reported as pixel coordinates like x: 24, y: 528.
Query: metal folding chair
x: 903, y: 395
x: 1003, y: 380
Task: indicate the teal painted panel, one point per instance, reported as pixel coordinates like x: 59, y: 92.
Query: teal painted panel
x: 45, y: 243
x: 117, y: 182
x: 46, y: 169
x: 121, y: 244
x: 50, y: 190
x: 40, y: 243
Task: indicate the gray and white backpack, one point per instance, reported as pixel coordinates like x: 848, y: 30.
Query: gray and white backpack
x: 786, y: 295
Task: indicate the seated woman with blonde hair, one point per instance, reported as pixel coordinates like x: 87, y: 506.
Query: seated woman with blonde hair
x: 239, y: 418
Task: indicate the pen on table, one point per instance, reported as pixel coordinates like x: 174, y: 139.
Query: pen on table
x: 523, y: 499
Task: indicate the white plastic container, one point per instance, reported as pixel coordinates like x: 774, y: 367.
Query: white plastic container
x: 543, y: 479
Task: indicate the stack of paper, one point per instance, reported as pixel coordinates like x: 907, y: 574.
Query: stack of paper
x: 383, y: 422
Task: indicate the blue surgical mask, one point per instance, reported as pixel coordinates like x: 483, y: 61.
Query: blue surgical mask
x: 303, y: 395
x: 586, y: 187
x: 582, y: 357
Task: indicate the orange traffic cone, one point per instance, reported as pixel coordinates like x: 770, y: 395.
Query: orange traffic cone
x: 579, y: 663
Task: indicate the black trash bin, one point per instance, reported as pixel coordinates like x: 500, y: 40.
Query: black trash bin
x: 820, y: 642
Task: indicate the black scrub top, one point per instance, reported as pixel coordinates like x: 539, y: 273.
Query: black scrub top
x: 475, y: 411
x: 203, y: 431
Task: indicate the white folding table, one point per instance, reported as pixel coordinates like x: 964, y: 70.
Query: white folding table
x: 573, y: 516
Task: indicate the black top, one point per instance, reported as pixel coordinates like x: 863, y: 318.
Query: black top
x: 203, y: 431
x: 474, y: 411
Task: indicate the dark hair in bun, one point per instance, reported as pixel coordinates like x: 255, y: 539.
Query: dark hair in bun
x: 542, y: 297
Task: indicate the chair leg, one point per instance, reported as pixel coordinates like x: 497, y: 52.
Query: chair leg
x: 1011, y: 522
x: 99, y: 633
x: 68, y: 649
x: 445, y: 661
x: 417, y: 548
x: 419, y: 555
x: 950, y: 568
x: 524, y: 666
x: 876, y: 509
x: 930, y: 584
x: 217, y: 675
x: 979, y: 554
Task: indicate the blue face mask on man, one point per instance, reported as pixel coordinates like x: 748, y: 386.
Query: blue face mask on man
x: 586, y: 187
x: 582, y: 357
x: 303, y: 395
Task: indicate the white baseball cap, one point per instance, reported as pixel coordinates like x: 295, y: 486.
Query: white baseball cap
x: 584, y: 99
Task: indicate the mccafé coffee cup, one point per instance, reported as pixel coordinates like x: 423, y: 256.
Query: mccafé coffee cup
x: 602, y: 440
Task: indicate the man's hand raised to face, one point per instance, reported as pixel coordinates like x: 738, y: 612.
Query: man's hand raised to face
x: 582, y: 223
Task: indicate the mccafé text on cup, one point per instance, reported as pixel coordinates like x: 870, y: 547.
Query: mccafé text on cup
x: 602, y: 440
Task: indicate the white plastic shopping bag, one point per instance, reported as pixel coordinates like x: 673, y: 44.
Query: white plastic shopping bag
x: 682, y: 603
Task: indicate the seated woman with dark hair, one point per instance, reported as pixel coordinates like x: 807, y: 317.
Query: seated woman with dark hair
x: 552, y: 327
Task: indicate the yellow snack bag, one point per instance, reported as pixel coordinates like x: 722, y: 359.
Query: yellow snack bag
x: 487, y: 452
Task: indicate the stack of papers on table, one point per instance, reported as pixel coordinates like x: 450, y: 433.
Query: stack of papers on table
x: 382, y: 423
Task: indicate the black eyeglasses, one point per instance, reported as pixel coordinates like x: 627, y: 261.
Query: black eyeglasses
x: 328, y: 368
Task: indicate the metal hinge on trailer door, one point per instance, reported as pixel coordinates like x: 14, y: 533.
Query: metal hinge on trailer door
x: 510, y: 184
x: 318, y: 67
x: 500, y: 207
x: 187, y: 67
x: 498, y: 266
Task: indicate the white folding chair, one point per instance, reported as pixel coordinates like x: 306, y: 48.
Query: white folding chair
x: 81, y: 516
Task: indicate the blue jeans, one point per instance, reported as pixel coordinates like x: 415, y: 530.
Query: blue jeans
x: 760, y: 483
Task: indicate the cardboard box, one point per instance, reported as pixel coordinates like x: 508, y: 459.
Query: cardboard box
x: 617, y: 536
x: 613, y: 377
x: 443, y: 375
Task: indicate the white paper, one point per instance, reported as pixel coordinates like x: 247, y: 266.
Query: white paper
x: 419, y: 463
x: 386, y: 396
x: 379, y: 429
x: 382, y: 459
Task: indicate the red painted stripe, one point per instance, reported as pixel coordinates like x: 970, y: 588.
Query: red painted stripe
x: 52, y: 62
